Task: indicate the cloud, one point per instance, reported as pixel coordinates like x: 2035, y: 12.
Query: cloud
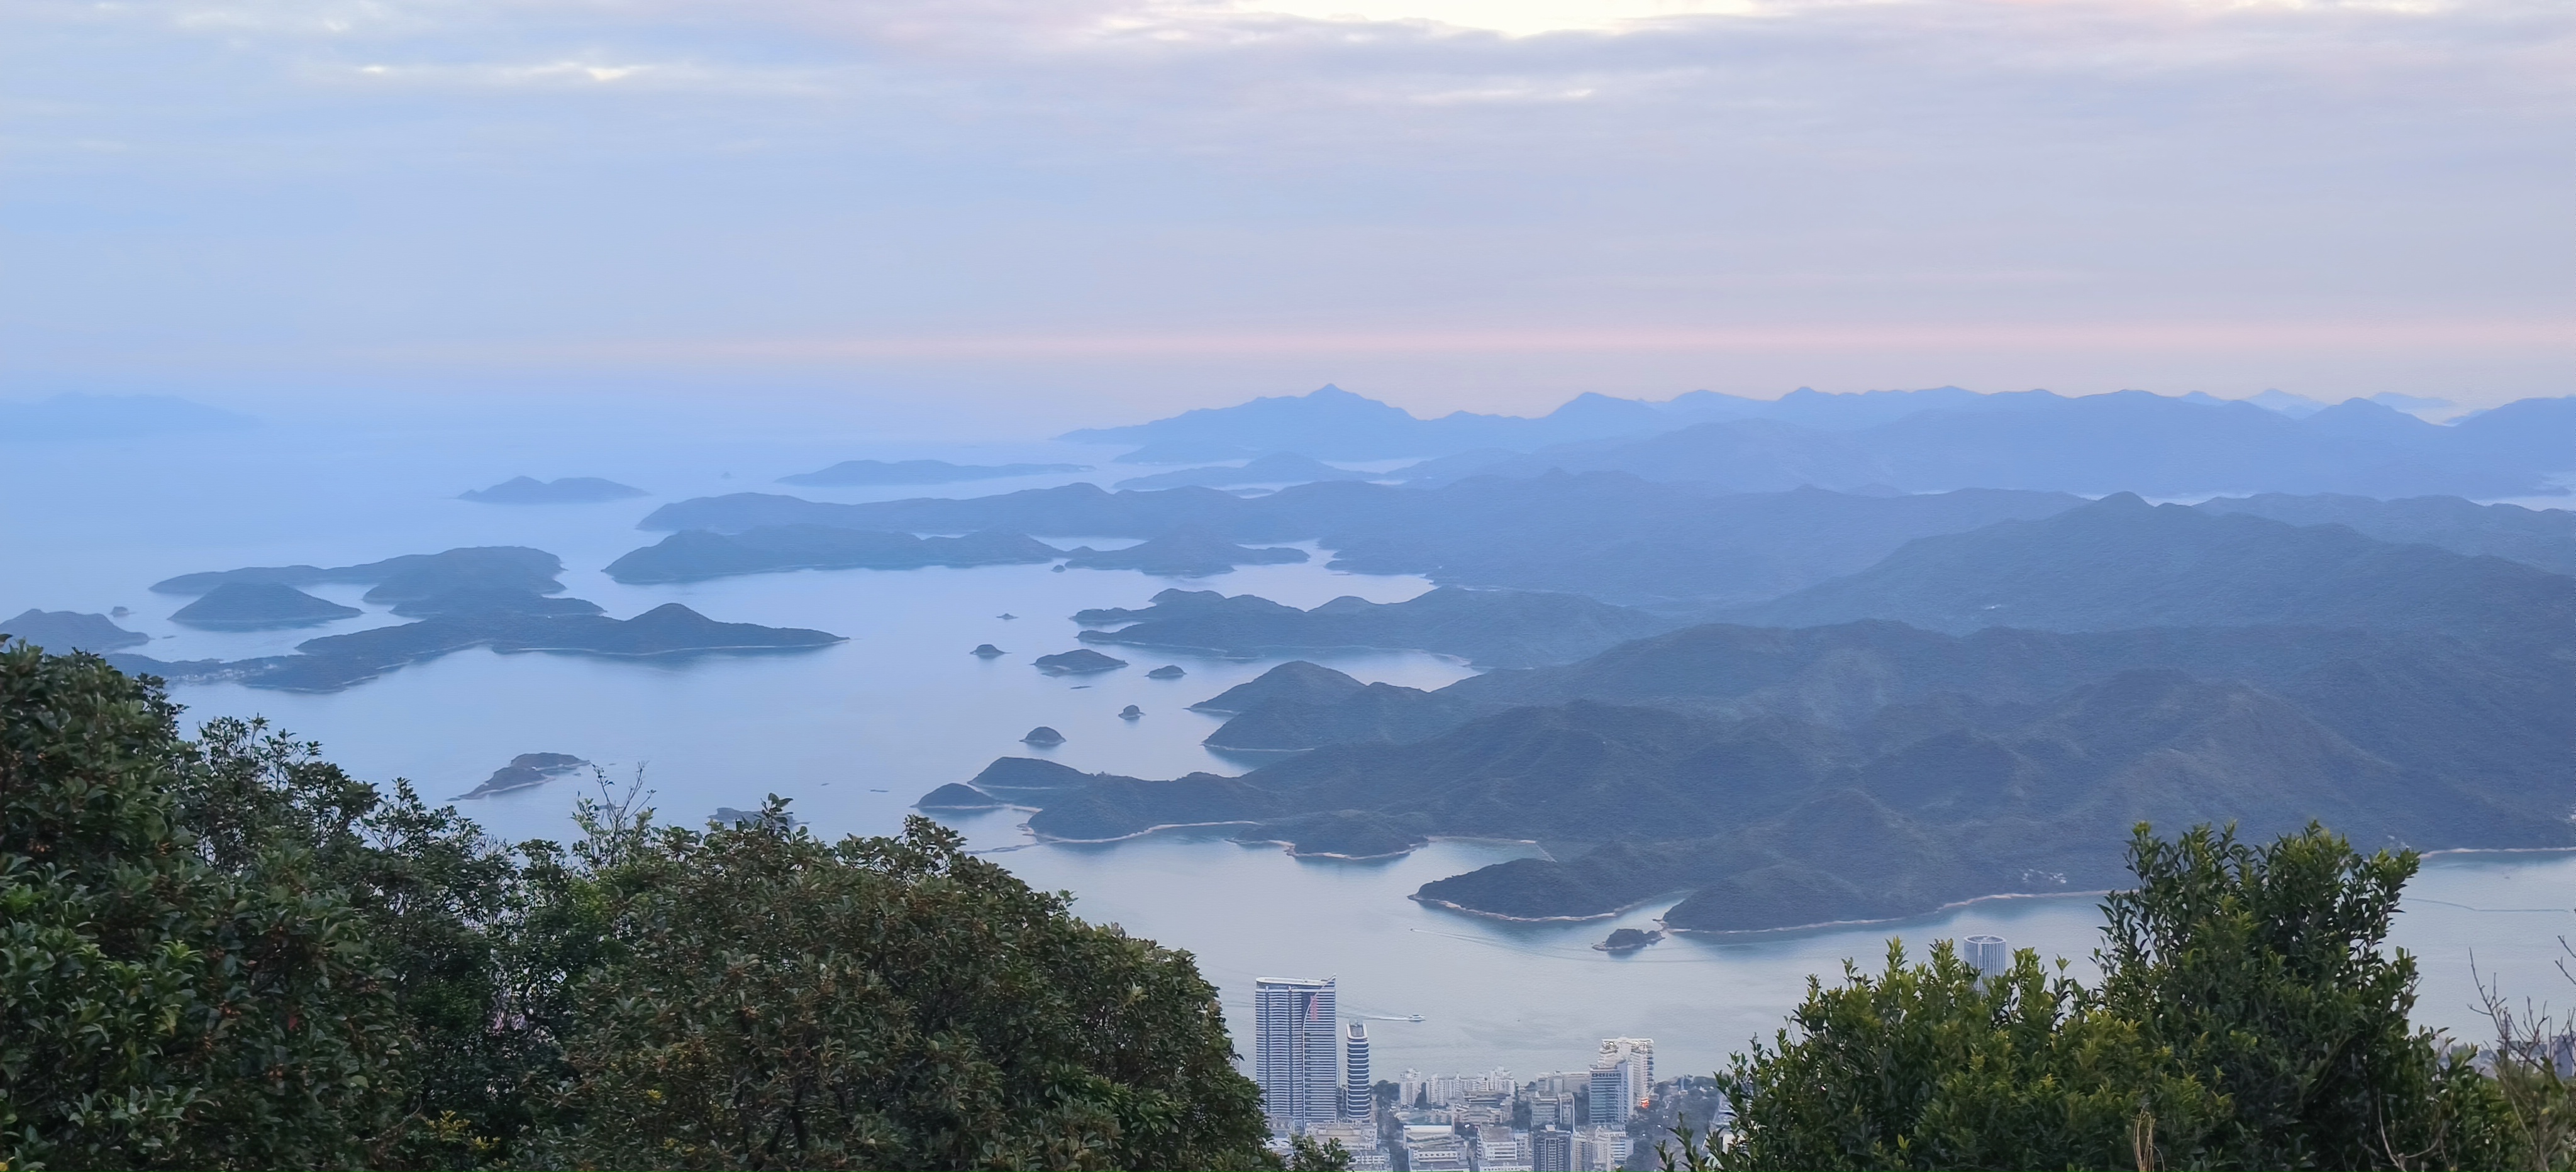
x: 384, y: 177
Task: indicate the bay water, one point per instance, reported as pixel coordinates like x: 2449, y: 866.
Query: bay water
x: 854, y: 733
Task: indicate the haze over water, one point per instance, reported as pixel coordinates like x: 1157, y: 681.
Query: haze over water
x: 854, y: 733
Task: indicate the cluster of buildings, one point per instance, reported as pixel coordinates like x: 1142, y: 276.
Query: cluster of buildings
x: 1313, y: 1069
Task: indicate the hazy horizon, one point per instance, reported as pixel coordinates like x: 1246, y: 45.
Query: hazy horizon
x: 1124, y: 208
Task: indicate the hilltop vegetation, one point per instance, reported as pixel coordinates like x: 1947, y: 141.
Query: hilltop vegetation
x: 229, y: 953
x: 2250, y: 1015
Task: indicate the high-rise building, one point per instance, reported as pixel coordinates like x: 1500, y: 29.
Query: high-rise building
x: 1551, y: 1149
x: 1611, y: 1100
x: 1600, y: 1149
x: 1989, y: 955
x: 1557, y: 1109
x: 1359, y: 1097
x: 1296, y: 1052
x: 1634, y: 1063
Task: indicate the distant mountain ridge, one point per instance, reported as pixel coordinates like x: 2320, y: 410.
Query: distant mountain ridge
x: 2094, y: 444
x: 1931, y: 440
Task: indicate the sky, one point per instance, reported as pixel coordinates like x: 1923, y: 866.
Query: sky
x: 1034, y: 214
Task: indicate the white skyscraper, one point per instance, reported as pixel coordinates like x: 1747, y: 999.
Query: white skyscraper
x: 1359, y: 1099
x: 1989, y: 955
x: 1296, y: 1051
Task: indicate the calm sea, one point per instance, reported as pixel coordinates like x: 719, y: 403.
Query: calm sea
x: 853, y: 734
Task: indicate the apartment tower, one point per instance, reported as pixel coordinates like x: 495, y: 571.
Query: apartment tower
x: 1296, y: 1055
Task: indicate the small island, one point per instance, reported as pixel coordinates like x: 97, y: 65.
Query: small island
x: 523, y: 771
x: 1043, y: 737
x: 65, y: 631
x: 571, y: 490
x: 855, y: 473
x: 254, y: 606
x: 1131, y: 712
x: 1629, y: 939
x: 1082, y: 661
x: 986, y: 651
x: 1169, y: 671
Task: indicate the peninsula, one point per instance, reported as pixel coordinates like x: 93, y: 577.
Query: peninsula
x: 695, y: 555
x: 855, y: 473
x: 571, y: 490
x: 333, y: 662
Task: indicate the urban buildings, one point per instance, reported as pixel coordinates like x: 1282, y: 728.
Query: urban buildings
x: 1622, y: 1075
x: 1359, y: 1138
x: 1600, y: 1149
x: 1359, y: 1094
x: 1551, y: 1148
x: 1296, y: 1056
x: 1550, y: 1110
x: 1435, y: 1149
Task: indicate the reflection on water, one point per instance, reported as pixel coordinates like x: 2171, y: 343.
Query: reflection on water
x: 853, y: 733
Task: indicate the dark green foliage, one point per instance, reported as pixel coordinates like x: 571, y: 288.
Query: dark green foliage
x: 229, y: 953
x: 168, y: 998
x: 2248, y: 1018
x: 1305, y: 1155
x: 2267, y: 967
x: 770, y: 1000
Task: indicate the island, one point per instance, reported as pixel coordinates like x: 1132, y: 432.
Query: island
x: 412, y: 576
x: 1131, y: 712
x: 695, y: 555
x: 64, y: 631
x: 1275, y: 468
x: 334, y: 662
x: 1186, y: 554
x: 1082, y: 661
x: 1169, y: 671
x: 1769, y: 778
x: 523, y: 771
x: 850, y: 473
x: 571, y: 490
x: 1629, y: 940
x: 1495, y: 628
x: 252, y: 606
x: 1043, y: 737
x: 986, y: 651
